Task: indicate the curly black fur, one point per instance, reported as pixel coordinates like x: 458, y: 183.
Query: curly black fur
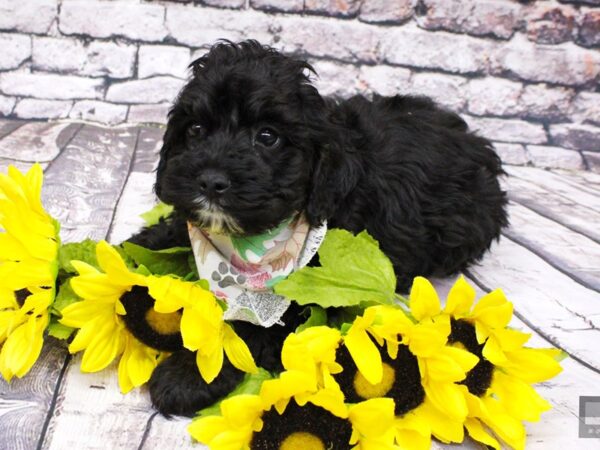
x: 404, y: 169
x: 176, y: 387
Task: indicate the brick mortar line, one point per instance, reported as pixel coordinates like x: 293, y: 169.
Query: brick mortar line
x: 502, y: 74
x: 383, y: 25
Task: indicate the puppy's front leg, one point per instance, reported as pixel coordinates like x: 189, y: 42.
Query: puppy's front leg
x: 167, y: 233
x: 176, y: 387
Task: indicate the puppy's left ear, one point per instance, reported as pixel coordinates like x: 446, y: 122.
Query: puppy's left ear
x: 173, y: 127
x: 336, y: 171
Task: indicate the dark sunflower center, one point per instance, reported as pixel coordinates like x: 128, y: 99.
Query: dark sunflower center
x: 305, y: 427
x: 401, y: 380
x: 479, y: 377
x: 157, y: 330
x: 21, y: 295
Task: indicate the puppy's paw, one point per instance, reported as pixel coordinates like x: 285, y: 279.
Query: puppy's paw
x: 176, y: 387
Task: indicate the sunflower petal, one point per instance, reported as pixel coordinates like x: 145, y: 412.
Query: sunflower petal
x: 413, y: 432
x: 210, y: 364
x: 460, y: 298
x: 205, y: 429
x: 22, y: 347
x: 108, y: 341
x: 141, y: 361
x: 450, y: 364
x: 493, y: 310
x: 78, y: 314
x: 532, y: 365
x: 237, y: 351
x: 443, y: 427
x: 331, y: 400
x: 424, y: 301
x: 277, y: 392
x: 111, y: 262
x: 519, y: 399
x: 365, y: 354
x: 477, y: 432
x: 447, y: 397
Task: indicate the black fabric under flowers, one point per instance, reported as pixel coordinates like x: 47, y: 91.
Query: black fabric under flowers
x: 479, y: 377
x: 406, y: 389
x: 331, y: 431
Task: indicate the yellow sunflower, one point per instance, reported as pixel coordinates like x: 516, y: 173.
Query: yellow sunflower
x: 256, y: 422
x: 313, y: 351
x: 441, y: 409
x: 498, y: 389
x: 102, y: 333
x: 202, y: 326
x: 28, y: 269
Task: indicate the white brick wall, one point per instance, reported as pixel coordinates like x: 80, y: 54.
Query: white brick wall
x: 525, y: 74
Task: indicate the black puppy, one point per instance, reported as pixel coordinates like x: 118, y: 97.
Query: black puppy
x: 250, y: 142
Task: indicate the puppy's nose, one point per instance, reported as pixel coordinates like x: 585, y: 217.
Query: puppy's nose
x: 214, y: 183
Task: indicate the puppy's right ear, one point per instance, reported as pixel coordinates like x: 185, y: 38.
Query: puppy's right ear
x: 168, y: 141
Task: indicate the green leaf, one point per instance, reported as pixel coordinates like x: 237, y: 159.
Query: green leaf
x: 172, y: 261
x: 204, y: 284
x: 342, y: 318
x: 317, y: 317
x: 160, y: 211
x: 82, y: 251
x: 249, y: 385
x: 354, y: 271
x: 129, y: 262
x: 66, y: 296
x: 58, y: 330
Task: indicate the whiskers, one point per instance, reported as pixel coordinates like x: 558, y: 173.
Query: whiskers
x: 212, y: 217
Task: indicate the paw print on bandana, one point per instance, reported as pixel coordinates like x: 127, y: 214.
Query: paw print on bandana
x: 227, y: 276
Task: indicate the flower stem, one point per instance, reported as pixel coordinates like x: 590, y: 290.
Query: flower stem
x: 401, y: 299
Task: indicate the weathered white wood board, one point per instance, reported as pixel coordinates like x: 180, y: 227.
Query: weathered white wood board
x: 138, y: 195
x: 37, y: 141
x: 165, y: 433
x: 579, y: 194
x: 92, y: 413
x: 86, y: 181
x: 555, y: 207
x: 7, y: 126
x: 590, y: 179
x: 565, y: 312
x: 24, y: 403
x: 565, y: 249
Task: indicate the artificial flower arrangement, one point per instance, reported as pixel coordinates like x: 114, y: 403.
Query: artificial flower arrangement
x: 381, y: 372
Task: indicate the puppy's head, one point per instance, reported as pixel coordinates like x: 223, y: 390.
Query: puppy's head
x: 245, y: 142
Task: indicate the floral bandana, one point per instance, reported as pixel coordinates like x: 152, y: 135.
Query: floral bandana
x: 242, y: 270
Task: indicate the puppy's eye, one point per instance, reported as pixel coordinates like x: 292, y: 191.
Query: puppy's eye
x: 196, y: 129
x: 267, y: 137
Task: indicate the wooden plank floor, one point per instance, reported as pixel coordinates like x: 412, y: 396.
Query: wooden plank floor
x: 98, y: 181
